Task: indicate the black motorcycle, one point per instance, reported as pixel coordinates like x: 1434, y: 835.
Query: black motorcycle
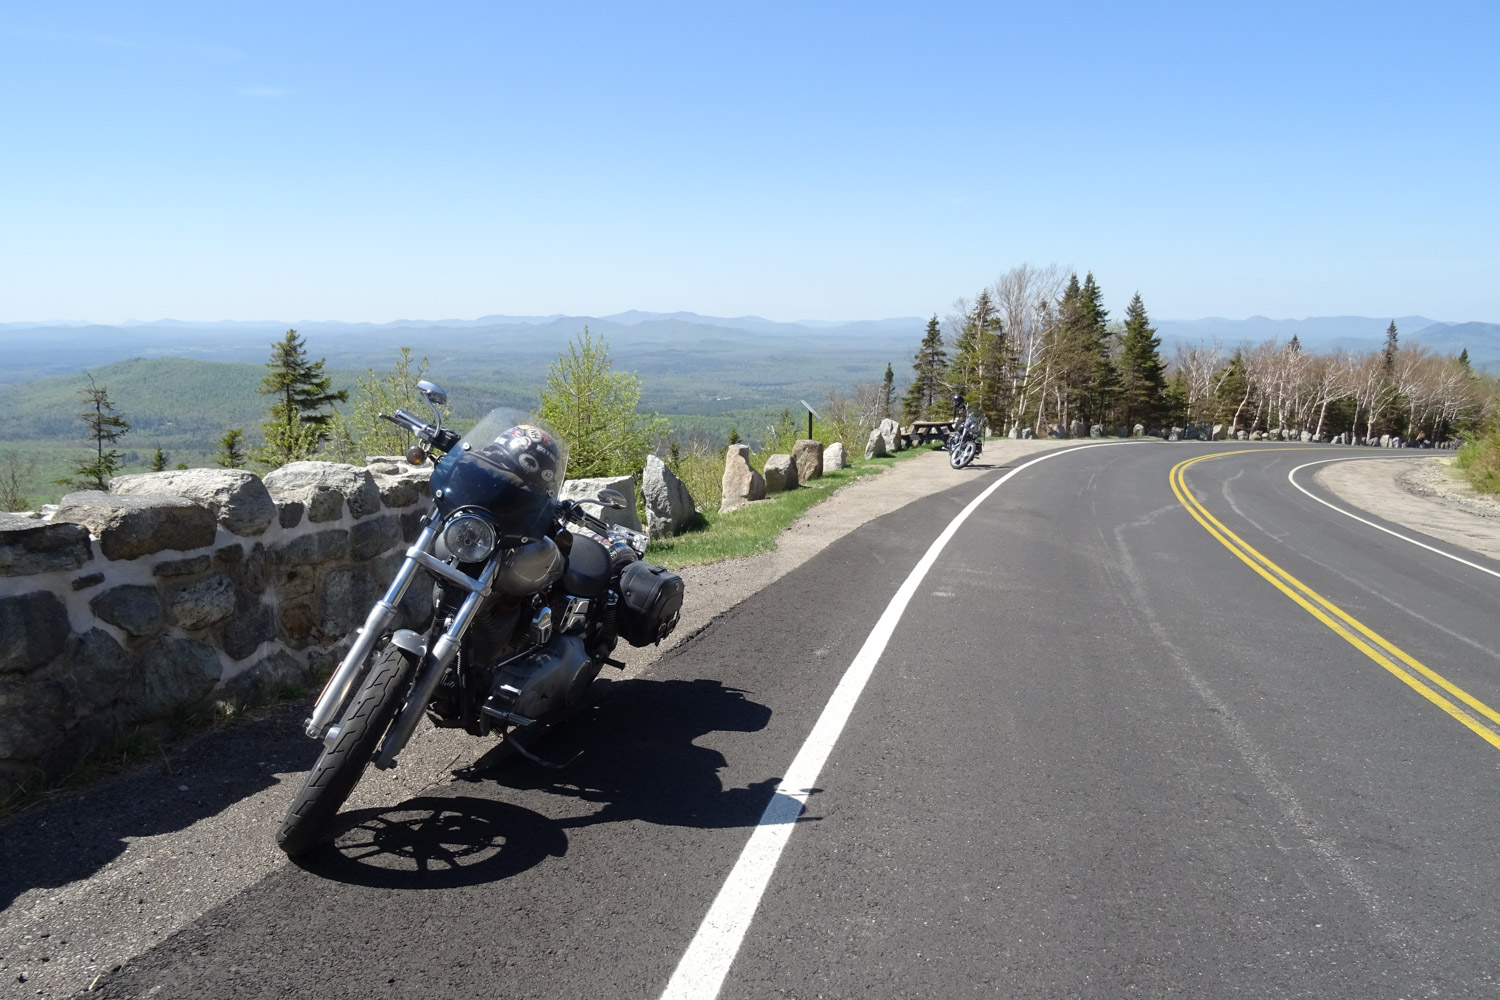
x: 967, y: 442
x: 530, y: 596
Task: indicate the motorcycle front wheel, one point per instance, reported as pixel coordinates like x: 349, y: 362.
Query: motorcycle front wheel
x: 309, y: 820
x: 962, y: 454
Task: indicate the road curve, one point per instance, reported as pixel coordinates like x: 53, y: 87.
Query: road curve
x: 1123, y: 739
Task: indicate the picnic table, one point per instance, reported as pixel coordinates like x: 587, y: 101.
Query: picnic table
x: 928, y: 431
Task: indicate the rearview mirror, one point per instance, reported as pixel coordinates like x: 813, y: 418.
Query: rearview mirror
x: 433, y: 393
x: 613, y: 499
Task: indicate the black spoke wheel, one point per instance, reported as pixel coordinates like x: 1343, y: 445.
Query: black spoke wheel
x: 309, y: 821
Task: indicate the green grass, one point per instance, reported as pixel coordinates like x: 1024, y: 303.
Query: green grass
x: 1479, y: 460
x: 755, y: 527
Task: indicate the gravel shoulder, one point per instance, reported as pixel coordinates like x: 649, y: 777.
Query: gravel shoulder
x: 1424, y: 495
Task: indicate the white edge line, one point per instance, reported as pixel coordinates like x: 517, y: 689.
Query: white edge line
x: 1377, y: 527
x: 705, y: 964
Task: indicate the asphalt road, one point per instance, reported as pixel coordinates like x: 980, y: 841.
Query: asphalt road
x: 1100, y: 755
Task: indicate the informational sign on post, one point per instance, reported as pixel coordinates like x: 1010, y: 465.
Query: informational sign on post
x: 810, y: 414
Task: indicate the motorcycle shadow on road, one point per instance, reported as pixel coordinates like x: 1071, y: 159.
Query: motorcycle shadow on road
x: 636, y: 756
x: 640, y: 759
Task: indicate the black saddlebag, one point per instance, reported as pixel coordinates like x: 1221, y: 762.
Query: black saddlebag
x: 650, y: 602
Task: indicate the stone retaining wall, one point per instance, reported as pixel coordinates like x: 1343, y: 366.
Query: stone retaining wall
x: 178, y: 589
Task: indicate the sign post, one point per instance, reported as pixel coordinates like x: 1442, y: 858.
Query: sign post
x: 810, y: 414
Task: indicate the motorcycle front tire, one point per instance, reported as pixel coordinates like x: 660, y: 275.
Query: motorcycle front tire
x: 309, y: 820
x: 962, y: 455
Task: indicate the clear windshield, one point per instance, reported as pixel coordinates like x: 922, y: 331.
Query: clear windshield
x: 516, y: 438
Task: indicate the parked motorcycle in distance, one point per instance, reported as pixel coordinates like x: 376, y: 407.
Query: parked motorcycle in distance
x: 530, y: 596
x: 967, y: 442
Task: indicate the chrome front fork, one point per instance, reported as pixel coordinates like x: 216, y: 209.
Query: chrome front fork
x: 340, y: 686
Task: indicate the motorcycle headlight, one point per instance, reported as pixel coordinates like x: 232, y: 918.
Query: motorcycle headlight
x: 470, y: 538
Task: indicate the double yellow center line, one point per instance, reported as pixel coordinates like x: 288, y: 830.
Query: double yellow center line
x: 1366, y: 640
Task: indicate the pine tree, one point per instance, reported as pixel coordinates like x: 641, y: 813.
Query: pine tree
x: 104, y: 428
x: 887, y: 391
x: 594, y: 408
x: 1388, y: 353
x: 231, y: 455
x: 298, y: 424
x: 1463, y: 362
x: 982, y: 363
x: 1141, y: 378
x: 159, y: 460
x: 931, y: 367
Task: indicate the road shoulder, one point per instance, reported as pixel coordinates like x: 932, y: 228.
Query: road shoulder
x: 1421, y: 495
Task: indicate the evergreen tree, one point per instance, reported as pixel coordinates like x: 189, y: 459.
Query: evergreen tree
x: 231, y: 455
x: 104, y: 428
x: 1141, y: 378
x: 982, y: 364
x: 594, y: 409
x: 931, y: 367
x: 1388, y: 353
x: 887, y: 391
x: 298, y: 424
x: 1232, y: 391
x: 159, y: 460
x: 1463, y: 362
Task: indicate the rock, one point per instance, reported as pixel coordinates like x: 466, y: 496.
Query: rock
x: 316, y: 547
x: 1219, y: 433
x: 875, y: 446
x: 669, y: 505
x: 1015, y: 432
x: 1076, y: 428
x: 129, y: 527
x: 808, y: 456
x: 833, y: 457
x: 28, y: 547
x: 1307, y: 436
x: 586, y: 489
x: 372, y: 537
x: 33, y: 630
x: 87, y: 581
x: 238, y: 500
x: 251, y: 625
x: 324, y: 489
x: 136, y: 609
x: 98, y: 668
x: 781, y: 474
x: 182, y: 567
x: 1096, y: 431
x: 348, y: 594
x: 401, y: 491
x: 172, y: 673
x: 742, y: 484
x: 1175, y: 435
x: 32, y: 717
x: 1255, y: 435
x: 1385, y: 440
x: 265, y: 679
x: 891, y: 432
x: 204, y: 603
x: 1138, y: 431
x: 1027, y: 434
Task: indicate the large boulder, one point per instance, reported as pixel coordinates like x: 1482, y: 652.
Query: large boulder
x: 890, y: 431
x: 1219, y: 433
x: 1096, y: 431
x: 808, y: 455
x: 669, y: 505
x: 875, y: 447
x: 586, y: 489
x: 780, y: 473
x: 129, y: 527
x: 239, y: 500
x: 323, y: 490
x: 833, y: 457
x: 401, y: 484
x: 28, y: 547
x: 1028, y: 433
x: 741, y: 484
x: 1077, y: 429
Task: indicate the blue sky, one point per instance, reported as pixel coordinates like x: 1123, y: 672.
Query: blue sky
x: 830, y: 161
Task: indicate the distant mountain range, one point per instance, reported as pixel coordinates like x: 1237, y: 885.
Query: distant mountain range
x: 769, y: 359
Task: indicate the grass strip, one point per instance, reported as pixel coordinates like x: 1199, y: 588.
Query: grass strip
x: 755, y: 527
